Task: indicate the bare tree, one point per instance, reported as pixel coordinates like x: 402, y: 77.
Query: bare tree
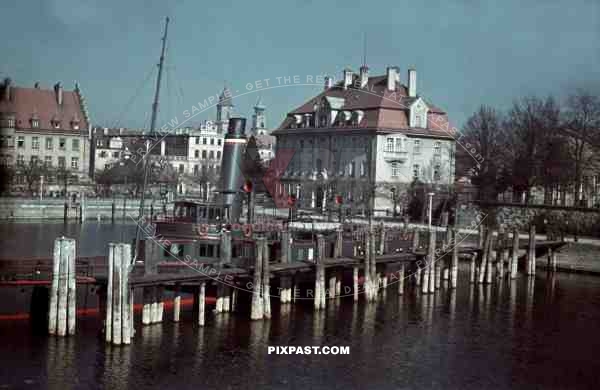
x: 32, y: 172
x: 484, y: 131
x: 581, y: 128
x: 531, y: 121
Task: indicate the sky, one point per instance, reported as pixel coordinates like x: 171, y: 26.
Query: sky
x: 466, y: 53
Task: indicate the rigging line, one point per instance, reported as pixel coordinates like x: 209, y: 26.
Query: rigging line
x: 132, y: 99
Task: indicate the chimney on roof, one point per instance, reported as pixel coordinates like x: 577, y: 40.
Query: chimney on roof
x: 391, y: 78
x: 328, y: 82
x: 347, y: 78
x: 58, y: 90
x: 105, y: 131
x: 7, y: 86
x: 412, y: 82
x: 364, y: 75
x: 36, y: 85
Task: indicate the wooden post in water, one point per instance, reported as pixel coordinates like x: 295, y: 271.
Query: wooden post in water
x: 472, y: 267
x: 147, y: 305
x: 531, y: 251
x: 332, y: 283
x: 285, y: 247
x: 338, y: 243
x: 484, y: 256
x: 226, y: 298
x: 225, y: 248
x: 161, y: 304
x: 220, y: 298
x: 201, y: 304
x: 454, y: 261
x: 490, y: 259
x: 381, y: 239
x: 154, y: 305
x: 256, y: 311
x: 514, y: 256
x: 432, y: 266
x: 373, y: 266
x: 62, y: 299
x: 355, y: 282
x: 266, y: 282
x: 118, y: 311
x: 320, y: 257
x: 338, y: 284
x: 482, y: 235
x: 415, y: 243
x: 553, y: 260
x: 177, y: 303
x: 401, y: 280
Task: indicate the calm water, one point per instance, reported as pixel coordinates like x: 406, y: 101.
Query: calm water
x: 27, y: 239
x: 537, y: 334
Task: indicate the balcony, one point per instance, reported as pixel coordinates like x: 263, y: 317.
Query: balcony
x: 395, y: 155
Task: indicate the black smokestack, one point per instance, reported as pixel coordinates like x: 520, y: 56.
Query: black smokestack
x: 232, y: 177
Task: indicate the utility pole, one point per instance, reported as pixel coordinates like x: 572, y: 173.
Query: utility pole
x: 152, y: 130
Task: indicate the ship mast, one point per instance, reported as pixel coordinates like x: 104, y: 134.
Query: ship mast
x: 147, y: 163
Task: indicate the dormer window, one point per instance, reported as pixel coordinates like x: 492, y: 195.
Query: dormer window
x: 55, y: 123
x: 75, y: 124
x: 323, y: 122
x: 35, y: 123
x: 418, y: 114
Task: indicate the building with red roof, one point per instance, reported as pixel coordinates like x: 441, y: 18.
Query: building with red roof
x: 364, y: 135
x: 50, y: 127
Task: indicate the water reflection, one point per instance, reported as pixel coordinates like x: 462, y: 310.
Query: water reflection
x: 61, y: 362
x: 117, y: 365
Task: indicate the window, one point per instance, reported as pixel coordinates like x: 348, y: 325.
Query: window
x: 35, y: 143
x: 6, y: 142
x: 74, y: 162
x: 196, y: 154
x: 103, y: 154
x: 20, y: 160
x: 319, y: 165
x: 75, y: 145
x: 62, y: 143
x: 181, y: 168
x: 204, y: 141
x: 20, y: 142
x: 437, y: 148
x: 204, y: 154
x: 196, y: 170
x: 390, y: 145
x: 48, y: 161
x: 417, y: 146
x: 363, y: 168
x: 34, y: 160
x: 419, y: 120
x: 55, y: 124
x: 416, y: 171
x: 395, y: 169
x: 10, y: 123
x: 61, y: 162
x: 212, y: 141
x: 219, y: 142
x: 436, y: 173
x: 115, y: 154
x: 399, y: 144
x: 197, y: 140
x: 352, y: 168
x: 49, y: 144
x: 211, y: 155
x: 35, y: 123
x: 219, y: 154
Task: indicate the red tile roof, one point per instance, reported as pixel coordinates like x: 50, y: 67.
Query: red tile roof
x: 29, y: 103
x: 384, y: 111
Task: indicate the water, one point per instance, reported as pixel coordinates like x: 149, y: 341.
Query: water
x: 521, y: 334
x: 36, y: 239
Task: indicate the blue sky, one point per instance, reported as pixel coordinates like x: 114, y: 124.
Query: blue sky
x: 466, y: 52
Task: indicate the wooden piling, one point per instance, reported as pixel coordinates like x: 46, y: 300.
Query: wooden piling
x: 338, y: 243
x: 454, y: 261
x: 256, y: 311
x: 147, y: 306
x: 202, y: 304
x: 331, y: 289
x: 225, y: 248
x: 472, y: 268
x: 285, y: 247
x: 381, y: 239
x: 490, y: 259
x: 62, y: 299
x: 266, y: 282
x: 338, y: 285
x: 401, y: 280
x: 355, y: 282
x: 177, y: 303
x: 514, y: 256
x: 431, y: 254
x: 226, y: 299
x: 118, y: 310
x: 320, y: 273
x: 531, y: 251
x: 415, y: 242
x: 484, y: 256
x: 220, y: 298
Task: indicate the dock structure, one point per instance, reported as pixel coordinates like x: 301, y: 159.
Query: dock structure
x: 283, y: 265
